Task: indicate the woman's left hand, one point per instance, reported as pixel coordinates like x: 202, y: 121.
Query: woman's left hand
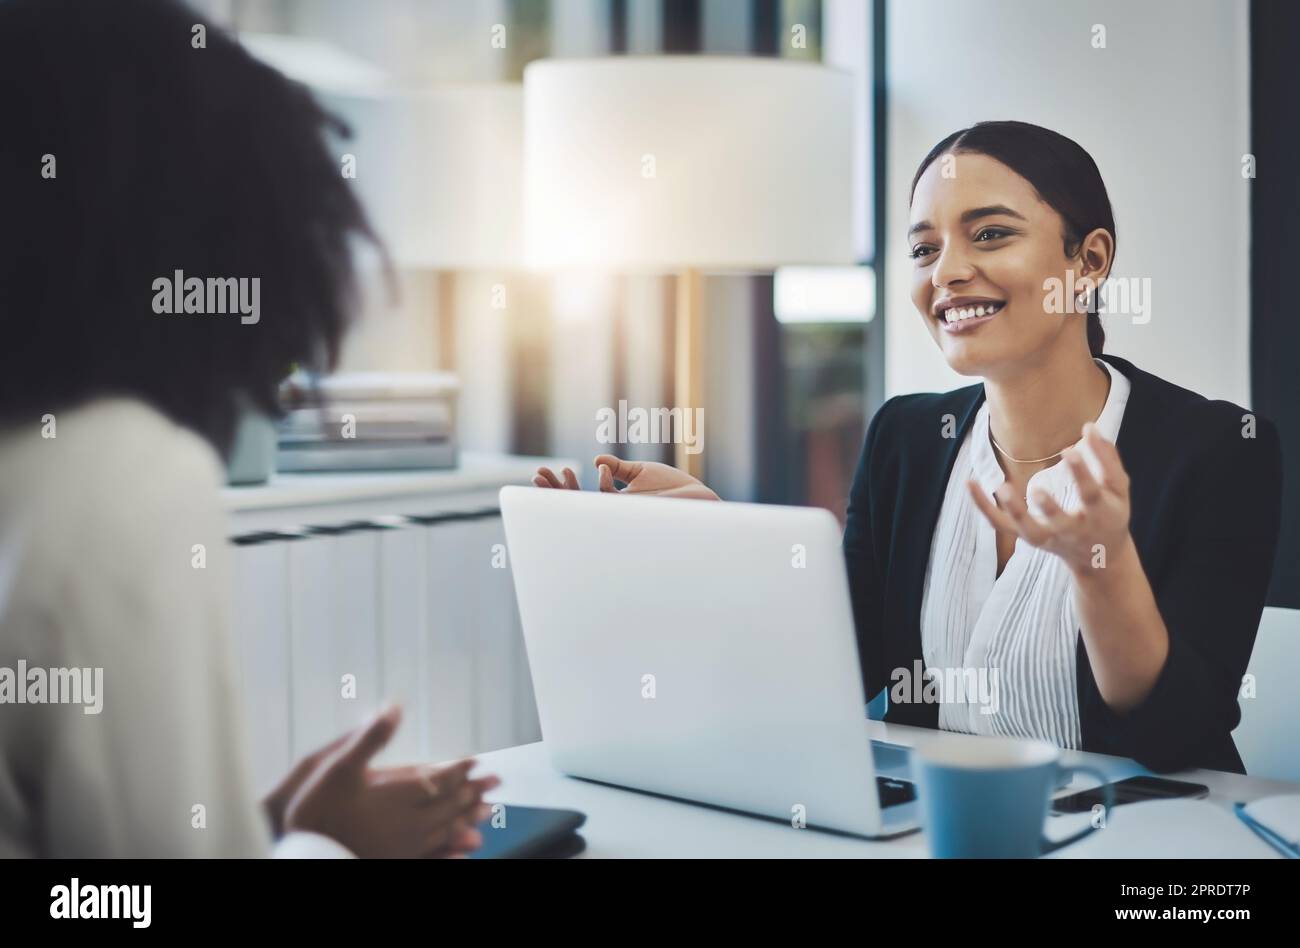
x: 1084, y: 538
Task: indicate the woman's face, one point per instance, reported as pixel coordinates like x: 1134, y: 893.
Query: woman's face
x: 983, y: 237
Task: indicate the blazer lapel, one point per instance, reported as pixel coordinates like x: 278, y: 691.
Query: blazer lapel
x: 922, y: 492
x: 1139, y: 432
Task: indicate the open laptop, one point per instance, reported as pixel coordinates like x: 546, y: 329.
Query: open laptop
x: 700, y: 650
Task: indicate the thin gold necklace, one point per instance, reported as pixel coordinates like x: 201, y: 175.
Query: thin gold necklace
x: 1004, y: 453
x: 1024, y: 497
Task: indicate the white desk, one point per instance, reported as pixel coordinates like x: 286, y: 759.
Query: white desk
x: 624, y: 823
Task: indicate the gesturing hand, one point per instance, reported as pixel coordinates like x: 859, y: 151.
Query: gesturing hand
x: 641, y: 477
x: 390, y: 812
x: 1100, y: 522
x: 278, y: 800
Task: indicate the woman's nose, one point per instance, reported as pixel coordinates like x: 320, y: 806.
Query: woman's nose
x: 953, y: 266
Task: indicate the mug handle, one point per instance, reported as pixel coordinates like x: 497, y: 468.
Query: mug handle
x: 1108, y: 795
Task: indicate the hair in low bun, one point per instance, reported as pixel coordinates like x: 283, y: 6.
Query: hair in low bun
x: 1096, y: 335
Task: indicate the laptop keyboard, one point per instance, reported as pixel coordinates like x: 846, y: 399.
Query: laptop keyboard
x: 893, y: 792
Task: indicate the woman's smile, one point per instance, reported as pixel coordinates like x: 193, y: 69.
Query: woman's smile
x: 964, y: 314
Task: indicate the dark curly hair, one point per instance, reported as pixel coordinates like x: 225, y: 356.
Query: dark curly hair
x: 1060, y: 170
x: 166, y: 157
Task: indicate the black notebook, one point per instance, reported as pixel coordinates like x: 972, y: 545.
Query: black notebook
x: 530, y: 832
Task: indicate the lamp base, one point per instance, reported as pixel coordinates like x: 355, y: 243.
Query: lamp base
x: 688, y: 378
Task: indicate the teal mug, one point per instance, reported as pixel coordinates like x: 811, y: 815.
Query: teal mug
x: 988, y: 797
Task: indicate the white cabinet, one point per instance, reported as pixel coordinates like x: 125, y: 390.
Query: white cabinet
x: 333, y: 633
x: 495, y: 671
x: 457, y: 629
x: 355, y: 590
x: 404, y: 640
x: 260, y: 619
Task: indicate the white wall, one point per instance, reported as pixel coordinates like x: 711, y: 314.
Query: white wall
x: 1163, y: 110
x: 422, y: 42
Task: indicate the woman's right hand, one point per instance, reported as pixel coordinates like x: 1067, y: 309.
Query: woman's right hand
x: 394, y: 812
x: 641, y: 477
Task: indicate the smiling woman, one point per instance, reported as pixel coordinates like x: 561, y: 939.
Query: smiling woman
x: 1079, y: 529
x: 1097, y: 538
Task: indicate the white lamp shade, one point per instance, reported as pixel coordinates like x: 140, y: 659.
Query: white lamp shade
x: 658, y: 163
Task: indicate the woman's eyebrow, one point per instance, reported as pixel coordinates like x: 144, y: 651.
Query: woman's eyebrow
x: 975, y: 213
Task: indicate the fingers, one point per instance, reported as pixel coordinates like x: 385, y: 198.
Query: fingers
x: 997, y: 517
x: 1049, y: 510
x: 442, y: 784
x: 304, y: 767
x: 421, y: 785
x: 607, y: 479
x: 545, y: 477
x: 442, y: 791
x: 1026, y: 525
x: 1012, y: 516
x: 466, y: 841
x: 467, y: 800
x: 461, y: 844
x: 461, y: 805
x: 1090, y: 493
x: 367, y: 741
x: 451, y: 841
x: 434, y: 809
x: 1106, y: 454
x: 329, y: 748
x: 442, y: 824
x: 625, y: 471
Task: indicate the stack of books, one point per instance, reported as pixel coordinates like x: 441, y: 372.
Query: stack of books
x: 368, y: 421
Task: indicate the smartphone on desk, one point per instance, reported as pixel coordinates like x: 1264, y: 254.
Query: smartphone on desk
x: 530, y: 832
x: 1132, y: 790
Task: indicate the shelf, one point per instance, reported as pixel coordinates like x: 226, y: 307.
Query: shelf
x: 477, y: 472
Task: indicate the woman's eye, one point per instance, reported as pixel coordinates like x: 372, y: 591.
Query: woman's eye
x: 993, y: 233
x: 918, y: 252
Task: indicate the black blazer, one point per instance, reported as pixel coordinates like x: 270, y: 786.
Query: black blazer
x: 1206, y: 502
